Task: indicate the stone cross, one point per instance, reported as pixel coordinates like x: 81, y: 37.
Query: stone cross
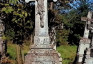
x: 41, y: 23
x: 85, y: 41
x: 88, y: 22
x: 35, y: 0
x: 42, y: 51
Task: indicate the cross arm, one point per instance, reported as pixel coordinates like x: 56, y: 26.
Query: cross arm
x: 52, y: 0
x: 28, y: 1
x: 86, y: 19
x: 34, y: 0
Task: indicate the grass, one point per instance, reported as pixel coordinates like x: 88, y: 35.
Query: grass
x: 11, y: 50
x: 67, y: 52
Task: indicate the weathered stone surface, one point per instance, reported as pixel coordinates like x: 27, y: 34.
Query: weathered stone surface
x: 79, y: 63
x: 2, y: 28
x: 53, y: 37
x: 86, y: 32
x: 2, y: 42
x: 88, y: 59
x: 42, y: 51
x: 84, y: 44
x: 43, y: 56
x: 85, y: 41
x: 2, y: 46
x: 41, y: 40
x: 87, y: 44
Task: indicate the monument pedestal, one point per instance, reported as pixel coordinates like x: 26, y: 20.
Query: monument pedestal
x: 84, y: 44
x: 79, y: 63
x: 42, y: 56
x: 89, y: 56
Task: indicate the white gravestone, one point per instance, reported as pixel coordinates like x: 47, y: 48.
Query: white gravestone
x: 89, y: 51
x: 85, y: 41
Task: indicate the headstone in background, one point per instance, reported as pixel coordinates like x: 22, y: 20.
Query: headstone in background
x: 2, y: 43
x: 89, y: 52
x: 85, y: 41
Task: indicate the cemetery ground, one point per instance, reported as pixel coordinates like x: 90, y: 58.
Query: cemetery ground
x: 68, y: 52
x: 72, y: 32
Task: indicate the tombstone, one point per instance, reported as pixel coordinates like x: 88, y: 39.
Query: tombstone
x: 42, y: 51
x: 2, y: 43
x: 85, y: 41
x: 88, y: 58
x: 89, y: 52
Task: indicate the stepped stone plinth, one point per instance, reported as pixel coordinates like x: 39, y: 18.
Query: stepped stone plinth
x: 43, y: 56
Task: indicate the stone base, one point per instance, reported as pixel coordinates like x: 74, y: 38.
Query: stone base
x: 83, y: 45
x: 43, y: 56
x: 85, y: 40
x: 79, y: 63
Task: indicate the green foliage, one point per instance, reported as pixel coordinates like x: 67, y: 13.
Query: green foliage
x: 7, y: 9
x: 10, y: 34
x: 13, y: 1
x: 62, y: 36
x: 68, y: 53
x: 73, y: 26
x: 18, y: 22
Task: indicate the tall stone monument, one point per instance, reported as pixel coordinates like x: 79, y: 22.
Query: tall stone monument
x: 85, y: 53
x: 85, y: 41
x: 89, y: 52
x: 2, y: 43
x: 42, y: 51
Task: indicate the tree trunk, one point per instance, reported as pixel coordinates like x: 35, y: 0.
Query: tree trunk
x: 31, y: 38
x: 19, y: 55
x: 23, y: 56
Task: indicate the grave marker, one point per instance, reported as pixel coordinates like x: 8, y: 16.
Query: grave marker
x: 85, y: 41
x: 42, y: 51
